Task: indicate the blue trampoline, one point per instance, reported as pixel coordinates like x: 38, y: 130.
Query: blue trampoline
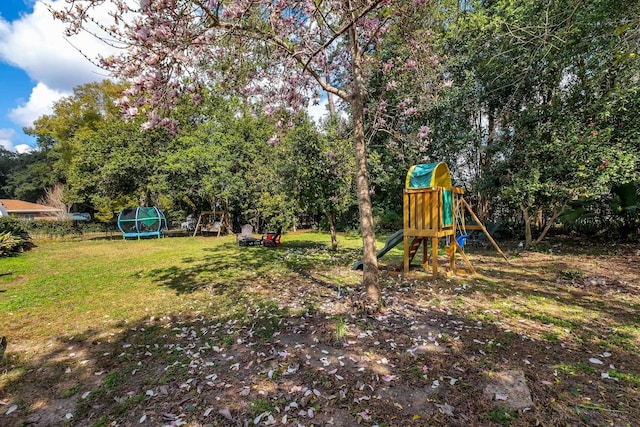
x: 142, y: 222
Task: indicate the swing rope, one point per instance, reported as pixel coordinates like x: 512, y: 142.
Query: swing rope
x: 461, y: 232
x: 460, y: 225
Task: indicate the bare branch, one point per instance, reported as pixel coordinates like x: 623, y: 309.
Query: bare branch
x: 345, y: 28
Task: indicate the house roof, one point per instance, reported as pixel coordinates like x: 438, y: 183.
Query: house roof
x: 18, y: 206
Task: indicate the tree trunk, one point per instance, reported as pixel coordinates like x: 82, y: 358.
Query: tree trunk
x: 327, y: 79
x: 145, y: 197
x: 482, y: 208
x: 370, y: 275
x: 332, y: 105
x: 527, y: 226
x: 331, y: 217
x: 550, y: 223
x: 540, y: 219
x: 330, y: 102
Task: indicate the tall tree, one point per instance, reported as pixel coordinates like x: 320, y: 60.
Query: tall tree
x: 117, y: 166
x: 554, y: 80
x: 28, y: 175
x: 7, y: 162
x: 222, y: 162
x: 83, y: 111
x: 323, y: 183
x: 103, y: 161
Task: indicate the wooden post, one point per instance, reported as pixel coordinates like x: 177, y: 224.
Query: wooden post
x: 406, y: 253
x: 464, y: 257
x: 434, y: 256
x: 452, y: 255
x: 197, y: 225
x: 425, y: 255
x: 452, y: 239
x: 405, y: 222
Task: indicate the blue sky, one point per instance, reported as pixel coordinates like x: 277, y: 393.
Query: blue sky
x: 16, y: 84
x: 37, y: 66
x: 11, y: 9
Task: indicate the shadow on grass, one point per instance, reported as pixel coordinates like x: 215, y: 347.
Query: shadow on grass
x: 226, y: 369
x: 532, y: 283
x: 225, y: 269
x: 227, y: 266
x: 270, y: 313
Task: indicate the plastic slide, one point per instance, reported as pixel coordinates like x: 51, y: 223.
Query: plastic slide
x: 392, y: 242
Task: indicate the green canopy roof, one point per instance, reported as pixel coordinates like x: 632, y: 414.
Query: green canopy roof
x: 429, y: 175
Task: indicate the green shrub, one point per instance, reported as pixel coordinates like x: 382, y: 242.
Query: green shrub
x: 14, y: 237
x: 390, y: 220
x: 96, y: 227
x: 8, y: 244
x: 13, y: 226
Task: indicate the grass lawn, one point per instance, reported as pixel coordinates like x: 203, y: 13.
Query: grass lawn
x: 199, y: 331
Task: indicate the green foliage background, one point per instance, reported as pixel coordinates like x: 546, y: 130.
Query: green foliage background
x: 532, y: 104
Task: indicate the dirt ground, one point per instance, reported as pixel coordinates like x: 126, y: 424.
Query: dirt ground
x: 549, y: 339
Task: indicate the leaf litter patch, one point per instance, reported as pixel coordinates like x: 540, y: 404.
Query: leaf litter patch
x: 300, y: 355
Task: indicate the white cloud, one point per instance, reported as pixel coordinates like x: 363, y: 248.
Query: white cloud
x: 24, y: 148
x: 6, y: 139
x: 36, y: 44
x: 40, y: 103
x: 319, y: 112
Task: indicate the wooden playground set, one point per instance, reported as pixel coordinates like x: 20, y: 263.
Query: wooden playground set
x: 435, y: 210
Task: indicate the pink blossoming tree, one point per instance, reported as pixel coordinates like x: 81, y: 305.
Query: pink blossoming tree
x: 279, y: 53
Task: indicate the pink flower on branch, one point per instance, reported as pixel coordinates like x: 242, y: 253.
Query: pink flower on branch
x: 424, y: 132
x: 274, y: 140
